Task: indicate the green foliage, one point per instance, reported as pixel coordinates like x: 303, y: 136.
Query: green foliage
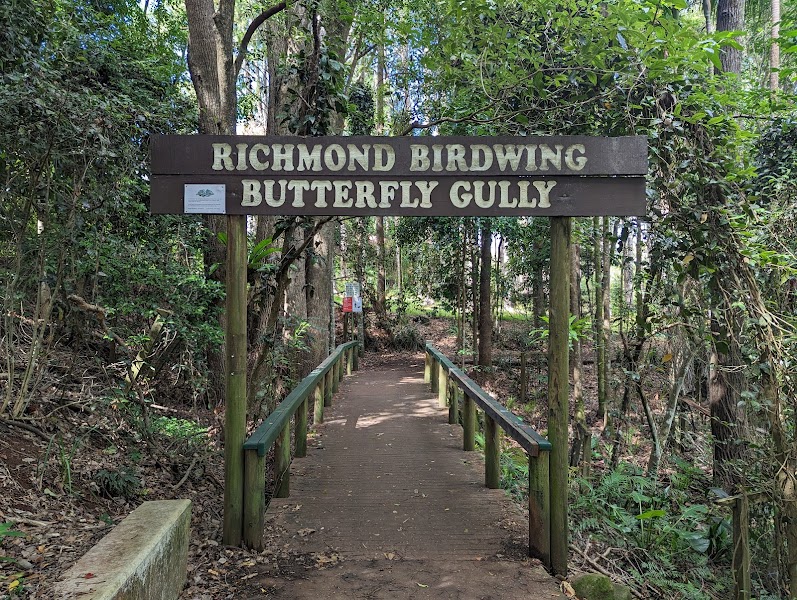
x: 117, y: 483
x: 178, y: 428
x: 671, y: 535
x: 361, y: 113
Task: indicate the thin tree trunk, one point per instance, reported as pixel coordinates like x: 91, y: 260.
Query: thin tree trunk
x: 580, y: 450
x: 774, y: 49
x: 485, y: 312
x: 381, y: 292
x: 730, y: 17
x: 474, y: 278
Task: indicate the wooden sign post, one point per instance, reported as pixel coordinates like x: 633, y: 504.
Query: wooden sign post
x: 557, y: 177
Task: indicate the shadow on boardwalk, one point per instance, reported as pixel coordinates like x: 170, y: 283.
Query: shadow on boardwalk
x: 388, y: 501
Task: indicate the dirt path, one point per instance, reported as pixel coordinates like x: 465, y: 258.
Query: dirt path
x: 388, y: 499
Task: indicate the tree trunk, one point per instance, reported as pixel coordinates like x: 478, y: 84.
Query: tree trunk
x: 485, y: 313
x: 381, y: 292
x: 318, y: 293
x: 580, y: 450
x: 774, y: 49
x: 730, y: 17
x: 726, y: 381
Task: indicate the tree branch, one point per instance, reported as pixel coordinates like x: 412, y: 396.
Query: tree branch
x: 250, y: 31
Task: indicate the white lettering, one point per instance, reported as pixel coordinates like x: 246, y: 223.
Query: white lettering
x: 256, y: 163
x: 321, y: 186
x: 460, y: 200
x: 387, y: 193
x: 251, y: 195
x: 481, y: 157
x: 221, y: 157
x: 282, y: 157
x: 549, y: 156
x: 341, y: 194
x: 456, y: 158
x: 575, y: 163
x: 359, y: 156
x: 505, y: 201
x: 508, y: 155
x: 426, y: 187
x: 544, y: 188
x: 384, y: 157
x: 365, y: 194
x: 334, y: 157
x: 309, y: 160
x: 241, y: 156
x: 271, y: 200
x: 478, y: 194
x: 298, y: 187
x: 419, y: 157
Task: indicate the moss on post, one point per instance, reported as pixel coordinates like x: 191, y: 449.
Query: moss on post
x: 301, y: 429
x: 282, y: 463
x: 254, y: 499
x: 468, y: 424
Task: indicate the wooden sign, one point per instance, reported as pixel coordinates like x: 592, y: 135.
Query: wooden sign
x: 422, y: 176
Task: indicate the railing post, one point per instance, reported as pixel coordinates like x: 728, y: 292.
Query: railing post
x: 282, y: 463
x: 427, y: 366
x: 741, y: 548
x: 318, y: 401
x: 434, y: 374
x: 254, y: 499
x: 559, y: 389
x: 468, y: 424
x: 442, y: 385
x: 540, y: 509
x: 349, y: 361
x: 453, y: 401
x: 301, y: 429
x: 492, y: 453
x: 355, y: 358
x: 328, y: 386
x: 336, y: 370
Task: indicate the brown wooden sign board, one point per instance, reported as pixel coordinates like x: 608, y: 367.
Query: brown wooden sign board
x: 420, y: 176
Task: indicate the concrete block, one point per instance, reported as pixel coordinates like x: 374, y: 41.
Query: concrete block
x: 143, y: 558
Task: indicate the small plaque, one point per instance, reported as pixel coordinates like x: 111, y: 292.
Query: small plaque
x: 357, y: 304
x: 347, y: 304
x: 352, y: 289
x: 208, y: 199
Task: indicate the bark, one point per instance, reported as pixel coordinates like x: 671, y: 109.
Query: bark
x: 726, y: 380
x: 774, y: 49
x: 580, y: 450
x: 474, y: 288
x: 318, y: 293
x: 381, y: 292
x: 730, y: 17
x: 485, y: 313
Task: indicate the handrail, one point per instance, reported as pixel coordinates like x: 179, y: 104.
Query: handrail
x: 268, y: 431
x: 531, y: 441
x: 445, y: 377
x: 275, y: 431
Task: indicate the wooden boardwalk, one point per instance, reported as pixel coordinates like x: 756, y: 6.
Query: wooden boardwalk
x: 387, y: 489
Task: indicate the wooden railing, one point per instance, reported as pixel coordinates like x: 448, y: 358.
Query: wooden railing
x: 322, y: 383
x: 454, y: 387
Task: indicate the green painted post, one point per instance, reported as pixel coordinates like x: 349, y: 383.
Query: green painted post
x: 427, y: 367
x: 559, y: 389
x: 453, y: 402
x: 336, y: 370
x: 235, y: 385
x: 355, y: 358
x: 282, y: 463
x: 540, y: 509
x: 434, y: 376
x: 254, y: 499
x: 740, y: 561
x: 349, y: 361
x: 442, y: 386
x: 469, y: 424
x: 301, y: 429
x: 318, y: 401
x: 328, y: 386
x: 492, y: 453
